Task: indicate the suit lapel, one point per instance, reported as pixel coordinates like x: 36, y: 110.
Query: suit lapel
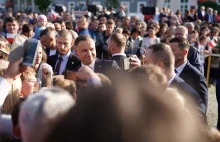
x: 184, y: 70
x: 54, y: 61
x: 98, y: 65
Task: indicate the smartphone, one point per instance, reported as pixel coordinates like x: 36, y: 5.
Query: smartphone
x: 17, y: 50
x: 30, y: 54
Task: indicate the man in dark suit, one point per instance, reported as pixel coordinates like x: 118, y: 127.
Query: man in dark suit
x: 48, y: 40
x: 161, y: 55
x: 186, y: 71
x: 116, y: 46
x: 210, y: 17
x: 193, y: 54
x: 85, y: 49
x: 65, y: 60
x: 116, y: 49
x: 202, y: 13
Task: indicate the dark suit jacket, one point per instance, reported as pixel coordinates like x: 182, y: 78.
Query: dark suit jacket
x: 207, y: 18
x: 106, y: 67
x: 193, y: 58
x: 119, y: 60
x: 200, y: 16
x: 47, y: 50
x: 188, y: 92
x: 196, y: 80
x: 72, y: 62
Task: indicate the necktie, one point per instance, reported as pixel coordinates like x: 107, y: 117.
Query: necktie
x: 176, y: 71
x: 58, y: 65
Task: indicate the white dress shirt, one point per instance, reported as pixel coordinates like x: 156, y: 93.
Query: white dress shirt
x: 52, y: 52
x: 121, y: 54
x: 92, y: 65
x: 180, y: 69
x: 5, y: 87
x: 63, y: 62
x: 203, y: 13
x: 170, y: 81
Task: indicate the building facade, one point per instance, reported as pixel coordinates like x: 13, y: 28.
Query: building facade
x: 132, y: 6
x: 175, y: 5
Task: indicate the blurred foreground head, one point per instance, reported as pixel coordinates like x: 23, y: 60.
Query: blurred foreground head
x: 41, y: 111
x: 125, y: 114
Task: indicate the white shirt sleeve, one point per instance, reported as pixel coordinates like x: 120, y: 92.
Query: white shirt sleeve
x: 5, y: 87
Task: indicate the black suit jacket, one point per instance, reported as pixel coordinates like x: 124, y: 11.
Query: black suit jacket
x: 72, y: 62
x: 196, y: 80
x: 200, y: 16
x: 47, y: 50
x: 106, y: 67
x: 188, y: 92
x: 119, y: 60
x: 193, y: 58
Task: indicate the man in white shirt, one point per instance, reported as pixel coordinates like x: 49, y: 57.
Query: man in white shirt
x: 162, y: 56
x: 65, y: 60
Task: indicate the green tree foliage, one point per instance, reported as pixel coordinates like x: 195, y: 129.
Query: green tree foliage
x: 42, y: 4
x: 112, y: 3
x: 210, y: 4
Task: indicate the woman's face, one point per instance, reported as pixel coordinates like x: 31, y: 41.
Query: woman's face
x: 205, y: 32
x: 39, y: 55
x: 143, y: 31
x: 164, y: 29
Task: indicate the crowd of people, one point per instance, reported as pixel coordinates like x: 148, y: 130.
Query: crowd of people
x: 109, y: 77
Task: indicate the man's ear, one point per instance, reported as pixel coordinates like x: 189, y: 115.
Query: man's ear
x: 160, y: 64
x: 185, y: 52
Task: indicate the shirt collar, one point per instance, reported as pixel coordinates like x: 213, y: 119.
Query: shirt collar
x: 180, y: 68
x: 170, y: 81
x: 65, y: 57
x: 117, y: 54
x: 92, y: 65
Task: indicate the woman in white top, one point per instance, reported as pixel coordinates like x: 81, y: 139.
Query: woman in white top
x: 151, y: 38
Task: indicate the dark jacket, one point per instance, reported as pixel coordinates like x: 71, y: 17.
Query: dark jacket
x: 188, y: 92
x: 101, y: 46
x: 193, y: 58
x: 106, y: 67
x: 119, y: 60
x: 72, y: 62
x: 196, y: 80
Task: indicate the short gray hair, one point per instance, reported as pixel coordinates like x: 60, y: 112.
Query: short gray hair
x: 41, y: 110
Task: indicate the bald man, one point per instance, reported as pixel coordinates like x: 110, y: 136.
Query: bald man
x: 65, y: 60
